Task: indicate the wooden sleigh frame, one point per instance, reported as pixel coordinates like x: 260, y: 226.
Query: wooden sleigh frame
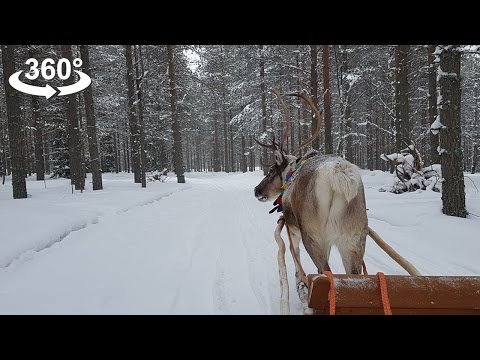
x: 408, y: 295
x: 367, y: 294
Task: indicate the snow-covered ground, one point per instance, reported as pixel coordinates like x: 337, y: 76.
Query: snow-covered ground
x: 204, y: 247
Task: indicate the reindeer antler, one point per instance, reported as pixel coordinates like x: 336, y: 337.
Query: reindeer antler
x: 272, y: 146
x: 318, y: 116
x: 265, y: 165
x: 286, y: 116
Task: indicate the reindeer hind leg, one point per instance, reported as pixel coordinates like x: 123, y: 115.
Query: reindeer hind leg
x: 352, y: 252
x: 318, y: 250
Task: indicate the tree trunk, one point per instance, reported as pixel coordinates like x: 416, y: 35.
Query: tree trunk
x: 303, y: 134
x: 453, y: 188
x: 132, y: 117
x: 14, y: 124
x: 119, y: 151
x: 81, y: 133
x: 252, y: 155
x: 141, y: 123
x: 264, y: 103
x: 299, y: 111
x: 327, y: 100
x: 243, y: 159
x: 226, y: 157
x: 91, y: 123
x: 216, y: 146
x: 74, y: 146
x: 232, y: 163
x: 46, y: 151
x: 177, y: 139
x: 432, y: 103
x: 347, y: 107
x: 314, y: 88
x: 475, y: 151
x: 127, y: 153
x: 28, y: 145
x: 38, y: 126
x: 475, y: 144
x: 3, y: 158
x: 402, y: 130
x: 115, y: 150
x: 187, y: 151
x: 369, y: 130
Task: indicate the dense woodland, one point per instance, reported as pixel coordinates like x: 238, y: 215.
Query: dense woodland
x: 199, y: 108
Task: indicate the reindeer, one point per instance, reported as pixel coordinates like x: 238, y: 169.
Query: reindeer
x: 323, y: 200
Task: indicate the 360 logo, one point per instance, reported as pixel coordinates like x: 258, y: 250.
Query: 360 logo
x: 48, y: 72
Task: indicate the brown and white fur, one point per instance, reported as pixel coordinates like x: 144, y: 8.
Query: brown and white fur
x: 323, y: 206
x: 325, y: 203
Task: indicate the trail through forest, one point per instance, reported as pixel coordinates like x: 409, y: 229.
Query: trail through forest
x: 204, y: 247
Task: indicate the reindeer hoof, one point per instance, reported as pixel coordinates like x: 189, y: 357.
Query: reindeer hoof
x: 302, y: 291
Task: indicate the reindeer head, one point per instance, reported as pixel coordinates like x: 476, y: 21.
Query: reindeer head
x: 269, y: 188
x: 271, y: 184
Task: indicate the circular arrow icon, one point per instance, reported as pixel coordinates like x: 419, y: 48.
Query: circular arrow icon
x: 47, y: 90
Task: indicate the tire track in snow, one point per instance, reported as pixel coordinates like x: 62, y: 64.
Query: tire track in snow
x: 192, y: 250
x: 218, y: 239
x: 152, y: 201
x: 247, y: 233
x: 224, y: 298
x: 252, y: 249
x: 29, y: 254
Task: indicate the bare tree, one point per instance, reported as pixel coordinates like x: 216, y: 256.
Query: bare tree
x: 141, y: 124
x: 327, y: 100
x: 74, y: 145
x: 177, y: 138
x: 432, y: 102
x: 402, y: 130
x: 475, y: 145
x: 314, y: 88
x: 15, y: 134
x: 3, y: 157
x: 264, y: 101
x: 243, y: 159
x: 132, y: 117
x: 216, y: 143
x: 448, y: 74
x: 91, y: 123
x: 37, y: 126
x: 347, y: 105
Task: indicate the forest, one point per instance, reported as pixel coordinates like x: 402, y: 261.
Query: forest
x: 198, y: 108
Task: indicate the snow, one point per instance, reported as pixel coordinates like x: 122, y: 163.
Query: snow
x: 395, y: 156
x: 204, y: 247
x: 440, y: 150
x: 436, y: 125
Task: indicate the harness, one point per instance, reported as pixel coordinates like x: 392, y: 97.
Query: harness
x: 292, y: 173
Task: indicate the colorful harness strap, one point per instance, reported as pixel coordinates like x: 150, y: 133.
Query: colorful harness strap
x: 292, y: 173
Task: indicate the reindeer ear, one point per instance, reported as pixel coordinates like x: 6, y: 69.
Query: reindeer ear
x: 279, y: 157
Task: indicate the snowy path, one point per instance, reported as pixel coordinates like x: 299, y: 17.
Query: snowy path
x: 194, y: 250
x: 205, y: 247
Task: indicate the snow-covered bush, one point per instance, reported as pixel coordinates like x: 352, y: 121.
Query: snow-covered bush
x: 157, y: 175
x: 409, y: 172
